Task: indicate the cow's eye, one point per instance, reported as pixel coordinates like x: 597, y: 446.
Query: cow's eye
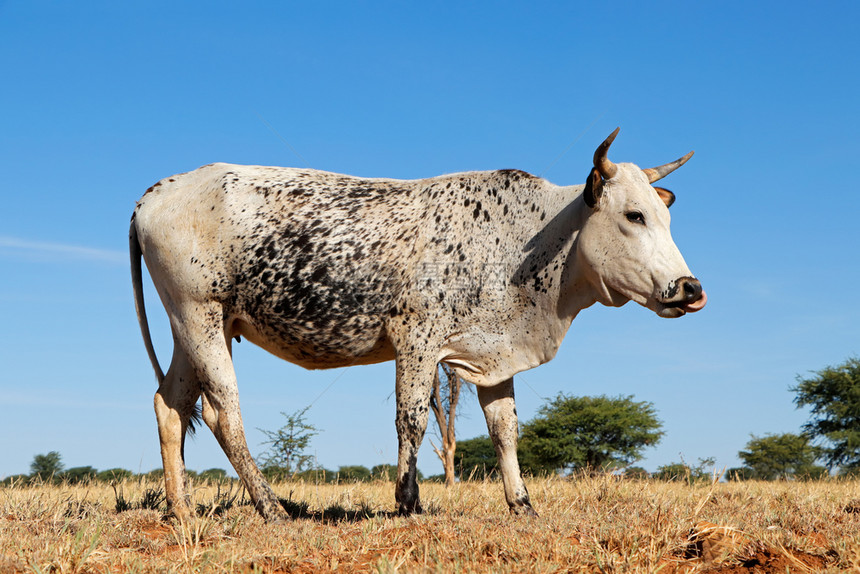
x: 635, y: 217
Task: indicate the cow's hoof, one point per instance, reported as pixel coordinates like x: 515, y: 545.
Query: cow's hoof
x: 273, y: 513
x: 277, y: 518
x: 409, y: 509
x: 181, y: 513
x: 523, y: 510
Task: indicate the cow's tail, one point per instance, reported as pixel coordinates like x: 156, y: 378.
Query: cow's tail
x: 137, y: 282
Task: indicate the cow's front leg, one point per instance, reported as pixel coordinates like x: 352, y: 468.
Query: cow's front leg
x: 413, y: 387
x: 501, y: 414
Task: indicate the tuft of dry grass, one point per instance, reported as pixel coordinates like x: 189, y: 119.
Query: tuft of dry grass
x: 590, y: 524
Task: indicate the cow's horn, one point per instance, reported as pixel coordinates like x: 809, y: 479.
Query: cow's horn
x: 655, y: 173
x: 606, y: 168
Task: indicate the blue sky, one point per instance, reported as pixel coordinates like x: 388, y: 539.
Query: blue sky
x: 102, y: 99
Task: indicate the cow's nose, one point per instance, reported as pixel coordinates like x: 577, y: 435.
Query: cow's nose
x: 692, y: 289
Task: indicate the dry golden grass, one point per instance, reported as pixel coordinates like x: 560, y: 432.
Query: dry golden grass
x: 597, y: 524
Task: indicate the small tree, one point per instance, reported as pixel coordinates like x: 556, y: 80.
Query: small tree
x: 46, y: 466
x: 156, y: 475
x: 476, y: 458
x: 833, y: 394
x: 739, y: 473
x: 15, y: 480
x: 354, y: 473
x: 387, y: 472
x: 78, y: 474
x: 681, y: 471
x: 781, y: 456
x: 213, y: 475
x: 636, y: 473
x: 590, y: 433
x: 443, y: 403
x: 286, y: 454
x: 114, y: 474
x: 674, y: 471
x: 316, y: 475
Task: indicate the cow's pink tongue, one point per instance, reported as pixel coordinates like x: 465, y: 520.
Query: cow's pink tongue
x: 697, y: 304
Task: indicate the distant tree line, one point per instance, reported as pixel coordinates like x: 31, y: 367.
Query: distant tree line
x: 349, y: 473
x: 49, y: 468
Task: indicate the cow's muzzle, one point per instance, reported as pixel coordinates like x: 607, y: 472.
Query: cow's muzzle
x: 684, y: 296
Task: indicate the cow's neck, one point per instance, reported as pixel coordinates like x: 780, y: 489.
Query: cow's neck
x: 571, y: 292
x: 577, y: 292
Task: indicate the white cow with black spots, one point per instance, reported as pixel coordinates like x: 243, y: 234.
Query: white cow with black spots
x: 482, y: 270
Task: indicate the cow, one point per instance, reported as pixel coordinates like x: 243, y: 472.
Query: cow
x: 482, y: 271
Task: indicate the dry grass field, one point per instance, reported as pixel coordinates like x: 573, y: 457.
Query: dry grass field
x: 598, y: 524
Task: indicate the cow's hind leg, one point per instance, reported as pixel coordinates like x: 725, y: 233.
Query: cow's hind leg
x: 501, y: 414
x: 174, y: 407
x: 208, y: 343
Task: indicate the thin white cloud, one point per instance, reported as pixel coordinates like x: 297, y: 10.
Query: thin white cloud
x: 43, y: 249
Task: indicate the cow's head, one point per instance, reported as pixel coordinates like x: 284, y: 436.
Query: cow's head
x: 625, y: 245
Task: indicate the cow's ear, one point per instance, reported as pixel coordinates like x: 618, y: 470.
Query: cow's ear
x: 667, y: 196
x: 593, y: 188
